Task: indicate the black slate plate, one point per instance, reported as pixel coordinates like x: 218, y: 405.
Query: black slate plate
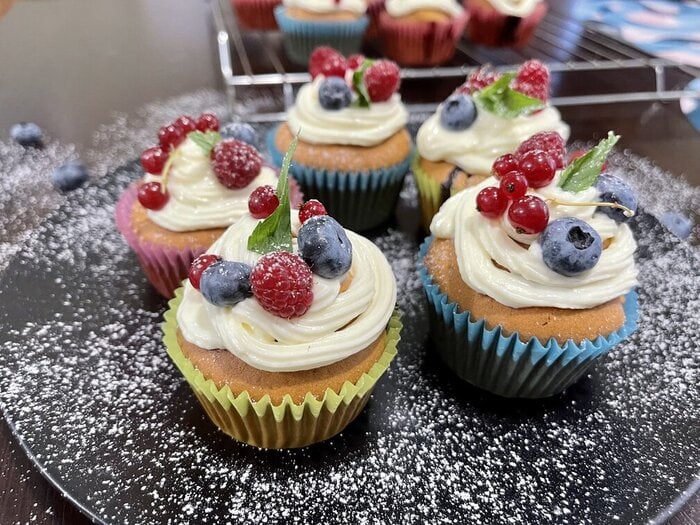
x: 93, y: 399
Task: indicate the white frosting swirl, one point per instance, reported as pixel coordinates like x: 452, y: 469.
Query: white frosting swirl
x: 398, y: 8
x: 357, y: 7
x: 338, y: 324
x: 349, y: 126
x: 198, y: 201
x: 489, y: 137
x: 519, y: 8
x: 526, y: 280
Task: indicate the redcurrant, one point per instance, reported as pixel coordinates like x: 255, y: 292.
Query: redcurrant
x: 186, y: 124
x: 151, y: 196
x: 504, y: 165
x: 537, y: 167
x: 263, y: 202
x: 153, y: 160
x: 311, y: 209
x: 529, y: 214
x: 198, y: 266
x: 513, y: 186
x: 170, y: 137
x: 207, y: 122
x: 491, y: 202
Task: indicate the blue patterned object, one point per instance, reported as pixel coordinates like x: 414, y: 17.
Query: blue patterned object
x: 677, y: 223
x: 691, y: 105
x: 507, y: 365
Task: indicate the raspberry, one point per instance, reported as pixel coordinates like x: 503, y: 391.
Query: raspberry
x: 478, y: 80
x: 382, y: 80
x: 283, y: 284
x: 328, y: 62
x: 533, y: 80
x: 235, y: 163
x: 355, y: 61
x: 548, y: 141
x: 311, y: 209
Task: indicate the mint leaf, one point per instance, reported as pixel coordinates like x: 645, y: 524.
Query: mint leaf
x: 206, y: 141
x: 583, y: 172
x: 358, y: 83
x: 275, y: 233
x: 502, y: 100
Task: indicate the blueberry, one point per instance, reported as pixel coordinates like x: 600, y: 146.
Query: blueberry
x: 679, y: 225
x: 458, y: 112
x: 69, y: 176
x: 614, y: 189
x: 27, y: 134
x: 570, y: 246
x: 240, y: 131
x: 325, y: 246
x: 226, y: 283
x: 334, y: 94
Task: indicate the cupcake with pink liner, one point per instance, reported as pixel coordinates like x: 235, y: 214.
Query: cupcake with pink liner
x: 503, y: 23
x: 421, y: 32
x: 256, y: 14
x: 196, y: 184
x: 374, y: 9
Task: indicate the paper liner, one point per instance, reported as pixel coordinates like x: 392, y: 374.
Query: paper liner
x: 489, y: 27
x: 429, y: 192
x: 359, y: 200
x: 287, y: 425
x: 256, y: 14
x: 507, y: 365
x: 301, y: 37
x: 413, y: 43
x: 374, y: 8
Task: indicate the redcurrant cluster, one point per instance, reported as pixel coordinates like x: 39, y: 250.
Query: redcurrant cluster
x: 532, y: 79
x: 264, y: 201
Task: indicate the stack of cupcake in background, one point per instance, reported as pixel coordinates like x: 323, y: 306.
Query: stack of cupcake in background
x: 504, y: 22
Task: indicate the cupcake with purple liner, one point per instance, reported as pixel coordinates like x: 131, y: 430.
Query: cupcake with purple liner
x: 308, y: 24
x: 530, y: 276
x: 256, y: 14
x: 502, y: 23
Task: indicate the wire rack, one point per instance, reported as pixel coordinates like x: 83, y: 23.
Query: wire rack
x: 572, y: 51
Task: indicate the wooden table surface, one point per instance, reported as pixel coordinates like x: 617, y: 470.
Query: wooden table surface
x: 92, y: 58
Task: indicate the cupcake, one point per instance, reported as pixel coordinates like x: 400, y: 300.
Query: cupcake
x: 487, y: 117
x: 256, y: 14
x: 308, y: 24
x: 421, y: 32
x: 530, y: 276
x: 285, y: 325
x: 504, y: 22
x: 374, y: 9
x: 195, y: 185
x: 354, y: 149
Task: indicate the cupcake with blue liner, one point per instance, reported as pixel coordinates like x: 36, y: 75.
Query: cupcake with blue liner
x: 308, y: 24
x: 354, y: 150
x: 530, y: 276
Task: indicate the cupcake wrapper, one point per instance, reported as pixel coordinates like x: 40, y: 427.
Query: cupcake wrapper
x: 303, y: 36
x: 357, y: 200
x: 374, y: 8
x: 420, y: 43
x: 489, y: 27
x: 287, y: 425
x: 256, y: 14
x: 429, y: 192
x: 507, y: 365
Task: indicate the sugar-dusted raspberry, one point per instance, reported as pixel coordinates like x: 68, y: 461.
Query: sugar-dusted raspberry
x: 328, y: 62
x: 382, y: 80
x: 533, y: 80
x: 478, y: 80
x: 283, y: 284
x: 235, y: 163
x: 548, y: 141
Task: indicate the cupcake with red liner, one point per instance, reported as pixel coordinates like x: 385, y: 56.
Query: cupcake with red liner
x: 503, y: 23
x: 421, y: 32
x: 374, y: 9
x: 285, y: 325
x: 256, y: 14
x: 195, y: 185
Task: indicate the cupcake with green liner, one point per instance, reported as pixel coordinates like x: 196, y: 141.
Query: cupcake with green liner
x: 530, y: 276
x: 308, y: 24
x: 285, y: 325
x: 487, y: 117
x: 354, y: 150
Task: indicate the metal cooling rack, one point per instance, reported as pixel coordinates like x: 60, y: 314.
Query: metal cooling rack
x: 571, y: 50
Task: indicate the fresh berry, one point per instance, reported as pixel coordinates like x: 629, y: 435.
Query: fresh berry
x: 328, y: 62
x: 153, y: 160
x: 27, y: 134
x: 235, y: 163
x: 537, y: 167
x: 226, y: 283
x: 548, y: 141
x: 679, y: 225
x: 310, y: 209
x: 355, y: 61
x: 151, y: 196
x: 478, y: 80
x: 207, y: 122
x: 533, y: 80
x: 570, y: 246
x: 458, y: 113
x: 513, y: 185
x: 263, y: 202
x: 185, y: 123
x: 170, y: 137
x: 382, y: 80
x: 198, y: 266
x: 69, y: 176
x: 325, y: 247
x: 334, y: 94
x: 240, y: 131
x: 491, y: 202
x: 614, y: 189
x: 529, y: 214
x: 283, y: 284
x: 505, y: 164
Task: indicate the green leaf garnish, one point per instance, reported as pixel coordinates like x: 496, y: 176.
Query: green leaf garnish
x: 358, y: 83
x: 275, y: 233
x: 583, y: 172
x: 206, y: 141
x: 502, y: 100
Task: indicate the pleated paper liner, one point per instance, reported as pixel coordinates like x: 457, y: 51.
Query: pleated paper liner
x: 256, y: 14
x: 287, y: 425
x: 508, y: 365
x: 489, y: 27
x: 430, y: 192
